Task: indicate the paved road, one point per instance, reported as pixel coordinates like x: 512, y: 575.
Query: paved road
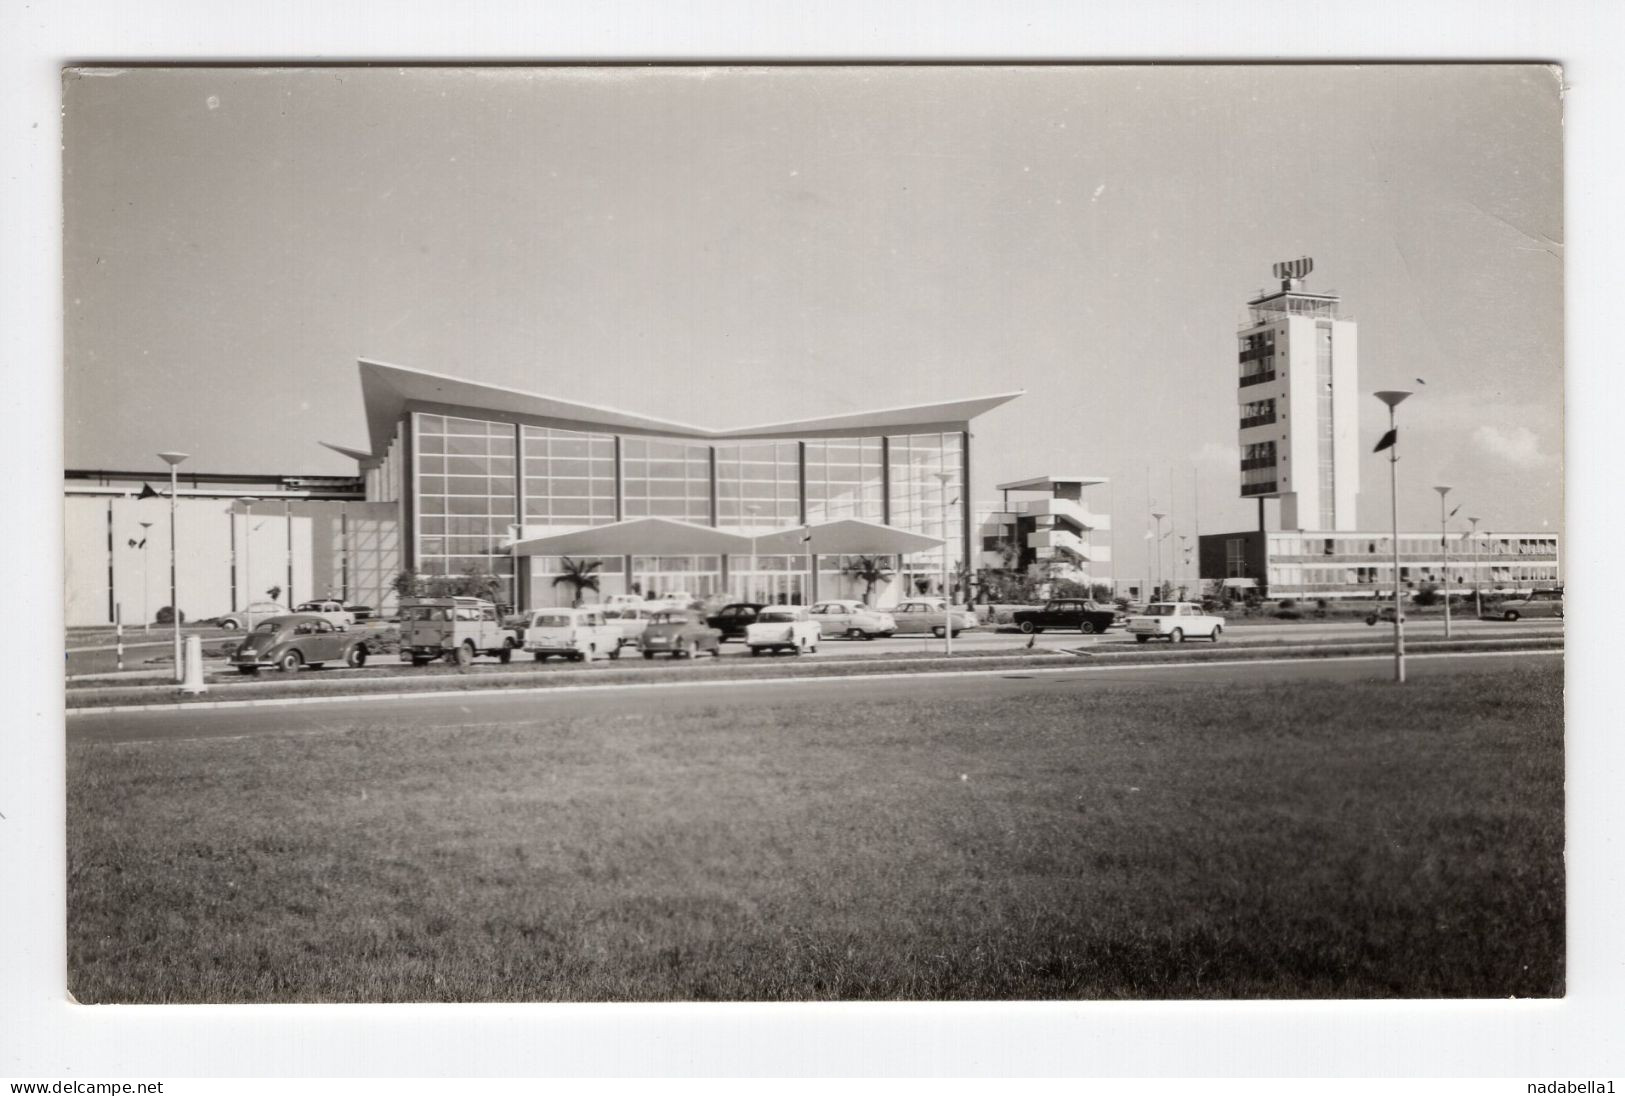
x: 516, y: 706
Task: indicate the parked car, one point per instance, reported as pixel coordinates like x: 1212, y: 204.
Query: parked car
x: 455, y: 629
x: 261, y: 610
x: 682, y: 633
x: 1071, y: 613
x: 672, y: 599
x: 1539, y: 603
x: 921, y: 615
x: 579, y: 635
x: 630, y: 620
x: 1384, y: 615
x: 1174, y: 621
x: 732, y: 620
x: 336, y: 611
x: 852, y: 619
x: 621, y: 601
x: 297, y: 639
x: 783, y: 628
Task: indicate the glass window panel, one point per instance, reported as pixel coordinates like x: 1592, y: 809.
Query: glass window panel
x: 466, y: 466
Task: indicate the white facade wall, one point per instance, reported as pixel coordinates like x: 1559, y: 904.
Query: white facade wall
x: 1297, y: 443
x: 1346, y: 422
x: 212, y: 535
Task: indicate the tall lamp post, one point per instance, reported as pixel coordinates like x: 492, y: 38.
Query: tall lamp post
x: 752, y: 509
x: 1444, y: 548
x: 1478, y: 604
x: 1390, y: 442
x: 173, y: 460
x: 146, y: 615
x: 1185, y: 552
x: 947, y: 599
x: 248, y: 502
x: 1156, y: 546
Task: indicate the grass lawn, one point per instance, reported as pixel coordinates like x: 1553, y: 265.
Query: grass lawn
x: 1327, y: 840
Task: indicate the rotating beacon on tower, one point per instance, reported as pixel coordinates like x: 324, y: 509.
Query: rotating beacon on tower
x: 1298, y: 391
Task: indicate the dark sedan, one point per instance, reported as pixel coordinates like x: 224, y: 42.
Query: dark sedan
x: 300, y: 639
x: 682, y: 633
x: 732, y: 620
x: 1069, y: 613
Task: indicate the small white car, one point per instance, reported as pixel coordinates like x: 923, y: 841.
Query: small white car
x: 672, y: 599
x: 580, y: 635
x: 852, y: 619
x: 630, y: 619
x: 782, y: 628
x: 1175, y: 621
x: 920, y: 615
x: 259, y: 610
x: 330, y: 609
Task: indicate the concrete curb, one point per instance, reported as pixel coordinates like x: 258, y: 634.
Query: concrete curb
x: 213, y: 705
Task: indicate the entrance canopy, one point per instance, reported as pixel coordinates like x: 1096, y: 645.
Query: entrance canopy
x: 638, y: 537
x: 846, y: 537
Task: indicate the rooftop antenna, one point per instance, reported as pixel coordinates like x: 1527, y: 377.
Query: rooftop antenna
x: 1294, y: 271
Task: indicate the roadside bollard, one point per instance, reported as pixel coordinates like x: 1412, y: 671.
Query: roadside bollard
x: 193, y: 685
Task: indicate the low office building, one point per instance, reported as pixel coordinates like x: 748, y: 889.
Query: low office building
x: 1304, y: 564
x: 304, y: 536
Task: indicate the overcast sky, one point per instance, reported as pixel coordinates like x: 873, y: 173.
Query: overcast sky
x: 734, y: 246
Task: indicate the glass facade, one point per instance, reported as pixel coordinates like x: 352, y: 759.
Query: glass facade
x: 474, y: 482
x: 465, y: 495
x: 758, y: 484
x: 666, y: 479
x: 845, y: 480
x: 569, y: 477
x: 918, y: 498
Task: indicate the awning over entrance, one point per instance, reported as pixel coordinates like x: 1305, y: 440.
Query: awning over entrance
x: 846, y: 537
x: 638, y: 537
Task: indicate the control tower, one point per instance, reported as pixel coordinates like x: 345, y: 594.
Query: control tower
x: 1298, y: 392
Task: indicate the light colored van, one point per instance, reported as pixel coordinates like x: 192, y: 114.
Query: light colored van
x: 453, y: 628
x: 580, y: 635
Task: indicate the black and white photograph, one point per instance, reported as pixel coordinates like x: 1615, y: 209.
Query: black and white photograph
x: 779, y: 533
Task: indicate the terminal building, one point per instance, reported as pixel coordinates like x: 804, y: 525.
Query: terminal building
x: 461, y: 477
x: 1298, y: 425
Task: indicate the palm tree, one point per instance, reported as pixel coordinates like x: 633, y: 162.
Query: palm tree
x: 868, y: 570
x: 581, y: 574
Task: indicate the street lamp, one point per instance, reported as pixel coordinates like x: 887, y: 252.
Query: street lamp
x: 248, y: 502
x: 752, y: 509
x: 1156, y: 546
x: 146, y: 616
x: 174, y: 459
x: 1444, y: 548
x: 1185, y: 551
x: 1391, y: 442
x: 947, y: 601
x: 1478, y: 604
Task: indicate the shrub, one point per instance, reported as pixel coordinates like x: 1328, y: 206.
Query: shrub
x: 1288, y: 614
x: 166, y: 615
x: 1427, y: 594
x: 1288, y: 603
